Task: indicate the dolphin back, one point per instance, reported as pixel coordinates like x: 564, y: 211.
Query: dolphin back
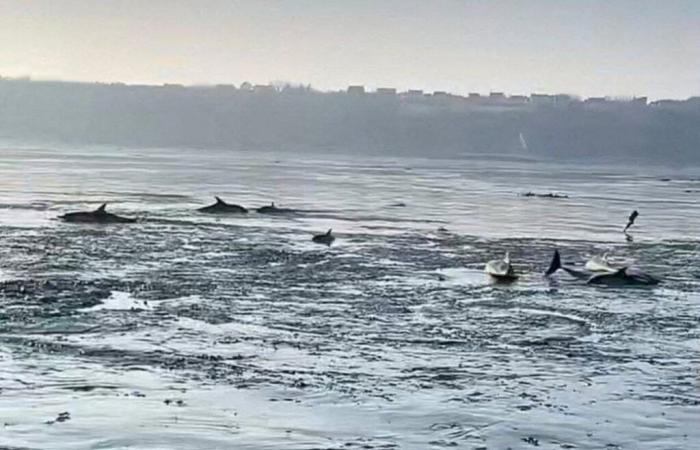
x: 624, y: 276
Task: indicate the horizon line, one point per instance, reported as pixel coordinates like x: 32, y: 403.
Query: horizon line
x: 278, y: 84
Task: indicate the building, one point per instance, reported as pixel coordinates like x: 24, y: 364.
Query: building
x: 386, y: 91
x: 356, y: 89
x: 263, y: 89
x: 518, y: 99
x: 596, y: 101
x: 542, y: 99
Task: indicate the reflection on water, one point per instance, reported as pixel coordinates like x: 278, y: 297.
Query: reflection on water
x: 191, y: 331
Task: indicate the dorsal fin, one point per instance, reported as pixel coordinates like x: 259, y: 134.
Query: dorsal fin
x: 102, y: 208
x: 555, y: 264
x: 272, y: 205
x: 219, y: 201
x: 330, y: 230
x: 621, y: 271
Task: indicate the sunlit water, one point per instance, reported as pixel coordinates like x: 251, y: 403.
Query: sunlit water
x: 195, y: 332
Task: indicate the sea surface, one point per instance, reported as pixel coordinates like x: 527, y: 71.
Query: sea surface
x: 188, y: 331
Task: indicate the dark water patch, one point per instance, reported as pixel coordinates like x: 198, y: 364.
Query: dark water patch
x: 33, y: 206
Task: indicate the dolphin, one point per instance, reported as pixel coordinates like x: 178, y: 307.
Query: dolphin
x: 624, y: 276
x: 556, y: 265
x: 221, y: 207
x: 605, y: 275
x: 631, y: 219
x: 599, y: 264
x: 595, y: 266
x: 548, y: 195
x: 501, y: 269
x: 100, y: 215
x: 326, y: 238
x: 272, y: 209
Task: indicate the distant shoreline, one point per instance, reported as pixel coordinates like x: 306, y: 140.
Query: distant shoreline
x: 384, y: 123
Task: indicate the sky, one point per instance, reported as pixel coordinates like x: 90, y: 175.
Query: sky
x: 581, y: 47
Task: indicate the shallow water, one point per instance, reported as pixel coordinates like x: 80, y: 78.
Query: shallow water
x: 191, y: 331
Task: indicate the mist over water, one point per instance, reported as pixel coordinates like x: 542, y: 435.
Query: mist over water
x: 191, y: 331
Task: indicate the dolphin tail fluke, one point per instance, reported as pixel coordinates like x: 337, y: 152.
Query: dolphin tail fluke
x: 554, y: 265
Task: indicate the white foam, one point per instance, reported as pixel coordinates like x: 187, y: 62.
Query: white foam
x: 125, y: 301
x: 459, y: 276
x: 120, y: 301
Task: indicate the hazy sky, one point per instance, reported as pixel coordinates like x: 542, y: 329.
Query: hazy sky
x: 585, y: 47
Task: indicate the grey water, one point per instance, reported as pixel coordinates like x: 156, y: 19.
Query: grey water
x: 191, y: 331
